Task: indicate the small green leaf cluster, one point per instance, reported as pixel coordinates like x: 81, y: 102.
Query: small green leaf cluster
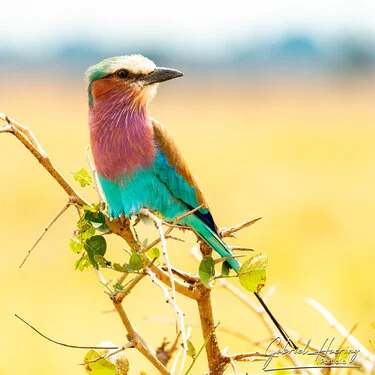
x: 252, y: 274
x: 88, y: 239
x: 115, y: 365
x: 83, y: 178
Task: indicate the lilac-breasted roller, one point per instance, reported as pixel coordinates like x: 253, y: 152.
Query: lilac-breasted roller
x: 138, y: 163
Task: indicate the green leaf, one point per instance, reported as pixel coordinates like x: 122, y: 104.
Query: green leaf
x: 252, y: 274
x: 200, y: 351
x: 97, y: 220
x: 75, y: 245
x: 101, y: 367
x: 128, y: 268
x: 95, y: 245
x: 153, y: 253
x: 83, y: 177
x: 136, y: 261
x: 191, y: 352
x: 225, y: 269
x: 95, y: 217
x: 87, y: 233
x: 145, y: 242
x: 92, y: 208
x: 119, y: 268
x: 118, y: 287
x: 83, y: 225
x: 81, y: 263
x: 207, y: 271
x: 100, y: 260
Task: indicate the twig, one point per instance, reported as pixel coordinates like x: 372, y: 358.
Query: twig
x: 128, y: 345
x: 128, y: 288
x: 61, y: 343
x: 179, y: 218
x: 176, y: 358
x: 201, y: 348
x: 240, y: 248
x: 134, y: 337
x: 188, y: 277
x: 171, y: 227
x: 220, y: 328
x: 181, y: 287
x: 122, y: 228
x: 26, y: 132
x: 233, y: 364
x: 214, y: 356
x: 163, y: 354
x: 247, y: 356
x: 159, y: 226
x: 157, y: 240
x: 29, y: 141
x: 101, y: 278
x: 229, y: 232
x: 340, y: 328
x: 61, y: 211
x: 223, y: 259
x: 269, y: 293
x: 178, y: 311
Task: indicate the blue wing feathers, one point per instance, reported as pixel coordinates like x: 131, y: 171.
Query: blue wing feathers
x: 162, y: 189
x: 181, y: 189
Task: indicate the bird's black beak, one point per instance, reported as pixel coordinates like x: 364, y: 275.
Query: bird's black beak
x: 161, y: 75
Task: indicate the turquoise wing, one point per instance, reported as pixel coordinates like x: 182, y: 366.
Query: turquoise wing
x: 171, y: 168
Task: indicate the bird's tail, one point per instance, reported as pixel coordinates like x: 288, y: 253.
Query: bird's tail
x: 216, y: 243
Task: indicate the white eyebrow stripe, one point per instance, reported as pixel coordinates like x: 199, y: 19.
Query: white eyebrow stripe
x: 136, y: 64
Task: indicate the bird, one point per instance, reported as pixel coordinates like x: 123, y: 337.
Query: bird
x: 138, y: 163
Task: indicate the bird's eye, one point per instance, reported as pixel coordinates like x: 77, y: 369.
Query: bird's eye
x: 122, y: 73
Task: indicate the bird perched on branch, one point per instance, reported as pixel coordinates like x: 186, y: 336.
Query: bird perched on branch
x: 138, y: 163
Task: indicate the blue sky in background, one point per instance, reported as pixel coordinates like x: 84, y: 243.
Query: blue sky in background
x: 292, y: 33
x: 30, y: 23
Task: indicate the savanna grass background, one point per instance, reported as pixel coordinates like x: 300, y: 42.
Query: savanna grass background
x: 299, y: 153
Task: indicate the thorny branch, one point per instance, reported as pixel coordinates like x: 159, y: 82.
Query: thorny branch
x: 186, y: 284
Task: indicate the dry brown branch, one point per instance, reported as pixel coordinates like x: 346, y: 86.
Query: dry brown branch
x: 247, y: 356
x: 111, y: 353
x: 164, y: 354
x: 229, y: 232
x: 25, y: 131
x: 137, y: 341
x: 185, y: 276
x: 179, y: 313
x: 187, y: 285
x: 216, y: 361
x: 159, y: 224
x: 181, y: 287
x: 340, y: 328
x: 240, y: 248
x: 170, y: 228
x: 366, y: 358
x: 128, y: 288
x: 29, y: 141
x: 61, y: 343
x: 251, y: 305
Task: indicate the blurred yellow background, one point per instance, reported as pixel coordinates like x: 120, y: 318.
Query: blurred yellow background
x: 299, y: 154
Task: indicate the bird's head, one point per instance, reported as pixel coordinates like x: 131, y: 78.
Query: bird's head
x: 134, y: 78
